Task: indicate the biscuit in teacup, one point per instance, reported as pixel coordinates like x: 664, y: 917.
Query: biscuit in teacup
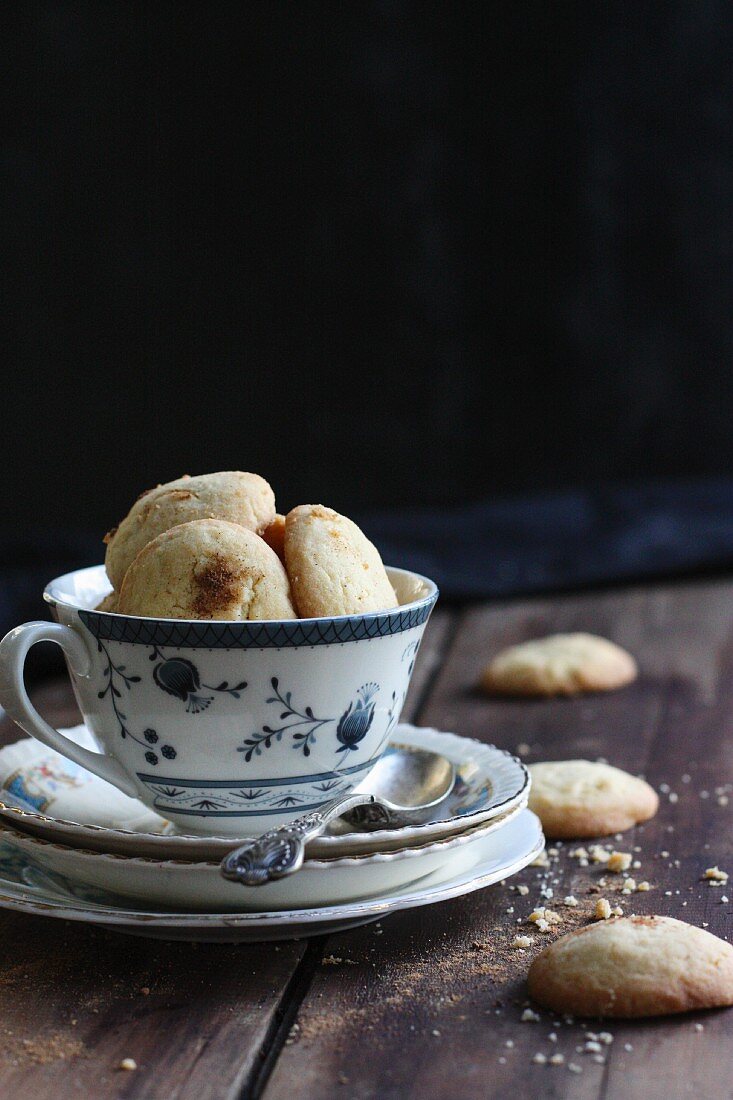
x: 561, y: 664
x: 333, y: 567
x: 274, y: 536
x: 230, y: 495
x: 109, y: 603
x: 207, y: 569
x: 634, y: 966
x: 582, y: 798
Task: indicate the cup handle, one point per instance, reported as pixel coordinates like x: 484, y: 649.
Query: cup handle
x: 14, y: 697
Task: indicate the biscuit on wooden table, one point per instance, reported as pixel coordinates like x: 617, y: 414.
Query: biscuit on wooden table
x: 634, y: 966
x: 560, y: 664
x: 581, y: 798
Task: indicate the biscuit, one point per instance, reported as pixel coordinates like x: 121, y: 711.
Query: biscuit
x: 241, y: 498
x: 207, y: 569
x: 634, y: 966
x: 274, y: 536
x: 333, y: 568
x: 109, y: 603
x: 580, y: 798
x: 562, y: 664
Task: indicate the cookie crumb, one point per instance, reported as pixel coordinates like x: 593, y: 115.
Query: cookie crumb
x: 544, y: 917
x: 619, y: 861
x: 522, y: 941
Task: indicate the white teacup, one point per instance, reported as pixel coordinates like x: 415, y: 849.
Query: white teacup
x: 226, y: 728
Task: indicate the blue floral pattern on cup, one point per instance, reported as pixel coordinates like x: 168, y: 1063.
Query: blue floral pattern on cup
x: 303, y: 725
x: 178, y: 676
x: 117, y: 677
x: 356, y: 720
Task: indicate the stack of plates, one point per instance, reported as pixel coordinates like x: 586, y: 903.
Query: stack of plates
x: 71, y: 846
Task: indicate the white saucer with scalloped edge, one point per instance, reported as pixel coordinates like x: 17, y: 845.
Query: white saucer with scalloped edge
x: 64, y: 804
x: 24, y: 888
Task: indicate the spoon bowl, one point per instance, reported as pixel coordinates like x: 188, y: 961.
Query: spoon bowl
x: 412, y: 780
x: 402, y: 788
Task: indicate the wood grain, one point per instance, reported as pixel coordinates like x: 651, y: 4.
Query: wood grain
x: 72, y: 1007
x: 430, y: 1005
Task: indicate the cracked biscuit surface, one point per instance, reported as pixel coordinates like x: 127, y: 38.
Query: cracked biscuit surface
x: 242, y: 498
x: 634, y: 966
x: 582, y: 798
x: 207, y: 569
x: 333, y: 567
x: 561, y: 664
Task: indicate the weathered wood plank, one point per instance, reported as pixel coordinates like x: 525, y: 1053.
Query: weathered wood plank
x: 370, y: 1021
x: 71, y: 1000
x: 72, y: 1007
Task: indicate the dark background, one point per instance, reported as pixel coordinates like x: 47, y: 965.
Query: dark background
x: 388, y: 254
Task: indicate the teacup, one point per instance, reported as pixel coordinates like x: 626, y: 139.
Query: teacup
x: 225, y: 728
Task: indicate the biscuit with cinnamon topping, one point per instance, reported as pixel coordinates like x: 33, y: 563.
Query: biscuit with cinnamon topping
x: 207, y: 569
x: 242, y: 498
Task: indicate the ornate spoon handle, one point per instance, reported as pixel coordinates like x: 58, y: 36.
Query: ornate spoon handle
x: 281, y: 851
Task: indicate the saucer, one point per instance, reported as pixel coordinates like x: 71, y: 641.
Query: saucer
x: 60, y: 802
x: 501, y: 854
x: 201, y: 887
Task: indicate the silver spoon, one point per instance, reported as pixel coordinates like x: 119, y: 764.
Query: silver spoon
x: 404, y: 786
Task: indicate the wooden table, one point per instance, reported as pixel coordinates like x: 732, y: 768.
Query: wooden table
x: 429, y: 1004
